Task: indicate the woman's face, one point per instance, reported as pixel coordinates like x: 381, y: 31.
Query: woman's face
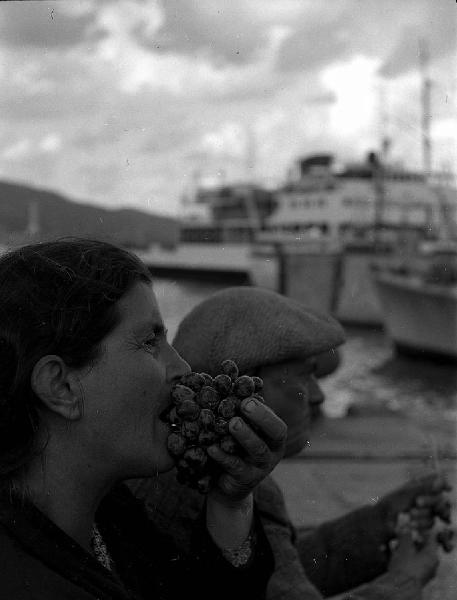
x: 290, y: 389
x: 128, y: 388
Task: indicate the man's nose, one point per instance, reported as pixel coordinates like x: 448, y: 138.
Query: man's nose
x: 177, y: 366
x: 316, y: 395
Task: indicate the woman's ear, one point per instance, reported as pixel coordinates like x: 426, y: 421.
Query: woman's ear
x: 58, y: 387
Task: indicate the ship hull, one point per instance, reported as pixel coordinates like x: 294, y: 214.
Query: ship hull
x: 420, y: 318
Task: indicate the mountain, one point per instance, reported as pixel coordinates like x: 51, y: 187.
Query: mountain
x: 28, y: 212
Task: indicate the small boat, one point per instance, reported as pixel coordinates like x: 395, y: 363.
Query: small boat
x: 420, y: 308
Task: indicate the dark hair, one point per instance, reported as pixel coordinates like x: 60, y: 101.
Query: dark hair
x: 57, y: 297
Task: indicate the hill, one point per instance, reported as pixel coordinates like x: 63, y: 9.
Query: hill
x: 28, y: 212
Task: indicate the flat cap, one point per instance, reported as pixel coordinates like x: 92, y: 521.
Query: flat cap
x: 253, y: 326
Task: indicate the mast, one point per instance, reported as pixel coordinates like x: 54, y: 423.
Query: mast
x: 424, y: 57
x: 251, y: 154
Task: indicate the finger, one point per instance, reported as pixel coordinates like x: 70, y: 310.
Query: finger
x: 423, y: 523
x: 441, y: 484
x: 231, y: 463
x: 419, y: 513
x: 265, y: 420
x: 403, y: 540
x: 429, y: 484
x: 425, y: 501
x: 443, y: 510
x: 258, y: 451
x: 437, y: 505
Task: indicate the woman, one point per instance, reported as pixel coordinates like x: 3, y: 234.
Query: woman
x: 86, y: 373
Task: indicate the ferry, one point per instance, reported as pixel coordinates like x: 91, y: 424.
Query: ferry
x: 314, y: 237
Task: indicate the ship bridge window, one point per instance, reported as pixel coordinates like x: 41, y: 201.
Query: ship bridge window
x: 354, y: 202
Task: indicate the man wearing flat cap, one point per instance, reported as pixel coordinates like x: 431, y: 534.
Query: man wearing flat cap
x: 289, y: 346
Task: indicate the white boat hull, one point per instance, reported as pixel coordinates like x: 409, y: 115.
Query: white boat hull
x: 419, y: 317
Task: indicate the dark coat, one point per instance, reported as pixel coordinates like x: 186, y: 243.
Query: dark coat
x: 344, y: 554
x: 38, y: 561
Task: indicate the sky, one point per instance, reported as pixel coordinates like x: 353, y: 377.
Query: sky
x: 132, y: 103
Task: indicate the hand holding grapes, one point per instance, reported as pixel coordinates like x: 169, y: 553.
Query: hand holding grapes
x: 261, y: 436
x: 418, y: 506
x: 410, y: 561
x: 222, y: 435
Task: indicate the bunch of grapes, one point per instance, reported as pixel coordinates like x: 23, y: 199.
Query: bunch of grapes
x: 444, y: 537
x: 200, y: 415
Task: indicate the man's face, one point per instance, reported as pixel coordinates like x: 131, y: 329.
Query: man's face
x: 291, y: 389
x: 128, y: 388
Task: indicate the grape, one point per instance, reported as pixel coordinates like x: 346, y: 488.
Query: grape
x: 180, y: 393
x: 194, y: 381
x: 227, y: 408
x: 195, y: 457
x: 208, y: 379
x: 176, y: 444
x: 173, y: 417
x: 223, y: 384
x: 208, y: 397
x: 188, y: 410
x: 190, y: 430
x: 443, y: 510
x: 207, y: 438
x: 207, y: 418
x: 243, y: 386
x: 445, y: 539
x: 221, y: 426
x: 228, y: 444
x: 204, y: 484
x: 199, y: 416
x: 230, y: 368
x: 258, y: 384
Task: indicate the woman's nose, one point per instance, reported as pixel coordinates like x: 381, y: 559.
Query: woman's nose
x: 316, y: 395
x: 177, y: 366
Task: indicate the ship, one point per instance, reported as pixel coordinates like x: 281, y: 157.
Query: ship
x: 314, y: 237
x: 419, y: 302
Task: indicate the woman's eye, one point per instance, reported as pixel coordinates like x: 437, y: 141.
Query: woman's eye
x: 155, y: 340
x: 150, y: 342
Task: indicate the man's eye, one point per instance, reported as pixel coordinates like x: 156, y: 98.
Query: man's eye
x: 311, y: 368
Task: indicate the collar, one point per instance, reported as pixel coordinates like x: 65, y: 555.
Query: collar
x: 41, y: 538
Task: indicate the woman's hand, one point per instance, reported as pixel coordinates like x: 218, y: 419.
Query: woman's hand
x: 424, y: 499
x: 262, y: 435
x: 420, y: 564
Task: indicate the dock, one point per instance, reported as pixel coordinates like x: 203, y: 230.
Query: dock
x: 213, y: 262
x: 354, y: 460
x: 325, y: 278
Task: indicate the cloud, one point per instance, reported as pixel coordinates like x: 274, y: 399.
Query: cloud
x: 430, y: 29
x: 131, y: 97
x: 418, y: 44
x: 388, y: 30
x: 17, y: 150
x: 51, y: 142
x: 225, y: 31
x: 45, y: 25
